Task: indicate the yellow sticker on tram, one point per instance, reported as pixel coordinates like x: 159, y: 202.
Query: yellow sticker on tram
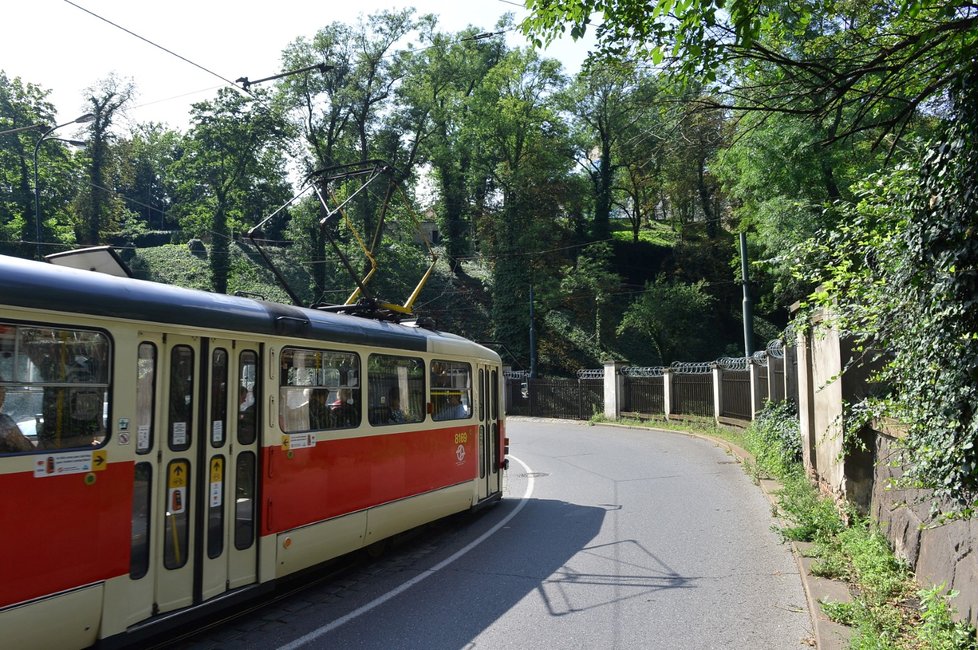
x: 178, y: 475
x: 217, y: 470
x: 99, y: 460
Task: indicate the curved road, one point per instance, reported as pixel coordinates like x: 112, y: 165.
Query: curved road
x: 607, y: 538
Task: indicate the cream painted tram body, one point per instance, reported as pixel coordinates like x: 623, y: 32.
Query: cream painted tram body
x: 178, y: 451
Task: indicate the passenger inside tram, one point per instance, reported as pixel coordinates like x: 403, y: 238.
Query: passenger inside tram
x: 395, y: 414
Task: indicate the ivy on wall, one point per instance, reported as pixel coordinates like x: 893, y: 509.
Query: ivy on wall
x: 901, y: 274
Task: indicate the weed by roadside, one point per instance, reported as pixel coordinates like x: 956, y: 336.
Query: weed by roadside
x: 888, y: 610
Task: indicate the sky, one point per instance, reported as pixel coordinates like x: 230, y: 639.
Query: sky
x: 60, y: 46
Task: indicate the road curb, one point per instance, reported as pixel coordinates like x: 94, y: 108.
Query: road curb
x: 828, y: 634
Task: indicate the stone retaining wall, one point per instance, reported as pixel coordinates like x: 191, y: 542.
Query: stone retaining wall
x: 938, y: 554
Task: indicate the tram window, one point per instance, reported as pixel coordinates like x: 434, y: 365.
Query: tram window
x: 219, y: 396
x: 451, y: 390
x: 142, y: 495
x: 244, y: 501
x: 215, y: 509
x: 494, y: 391
x: 54, y: 388
x: 247, y: 397
x: 482, y: 394
x: 320, y: 390
x: 395, y: 389
x: 494, y: 415
x: 181, y: 397
x: 176, y: 529
x: 145, y: 397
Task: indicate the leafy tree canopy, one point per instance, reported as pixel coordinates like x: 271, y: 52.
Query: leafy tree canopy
x: 888, y: 58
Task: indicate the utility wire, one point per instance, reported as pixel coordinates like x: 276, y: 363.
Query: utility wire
x: 156, y: 45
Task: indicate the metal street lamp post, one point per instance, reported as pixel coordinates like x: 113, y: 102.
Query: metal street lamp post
x: 87, y: 117
x: 20, y: 129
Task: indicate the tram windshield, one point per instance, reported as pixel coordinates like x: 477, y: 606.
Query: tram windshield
x: 54, y: 388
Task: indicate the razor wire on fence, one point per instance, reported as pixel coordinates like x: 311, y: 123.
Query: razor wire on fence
x: 643, y: 371
x: 692, y: 367
x: 595, y: 373
x: 733, y: 363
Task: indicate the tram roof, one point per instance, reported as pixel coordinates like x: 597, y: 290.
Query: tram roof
x: 39, y: 285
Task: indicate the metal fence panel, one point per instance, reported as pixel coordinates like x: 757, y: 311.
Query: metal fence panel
x: 644, y: 395
x: 791, y: 367
x: 555, y: 398
x: 570, y: 399
x: 776, y: 378
x: 763, y: 388
x: 517, y: 402
x: 692, y: 394
x: 735, y: 394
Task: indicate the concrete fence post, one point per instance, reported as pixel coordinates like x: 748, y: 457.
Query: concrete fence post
x: 717, y: 392
x: 667, y: 392
x: 614, y: 389
x: 755, y: 389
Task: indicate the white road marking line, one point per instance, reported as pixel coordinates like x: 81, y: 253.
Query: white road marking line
x: 377, y: 602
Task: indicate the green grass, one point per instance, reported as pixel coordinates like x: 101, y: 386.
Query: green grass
x: 656, y: 233
x: 688, y: 424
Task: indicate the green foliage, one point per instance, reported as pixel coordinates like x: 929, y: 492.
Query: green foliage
x: 774, y: 438
x: 810, y: 517
x: 655, y: 233
x: 938, y: 629
x: 901, y: 273
x: 882, y: 611
x: 674, y: 318
x: 842, y: 613
x: 172, y: 264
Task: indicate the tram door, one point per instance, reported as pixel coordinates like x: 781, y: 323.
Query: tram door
x: 204, y: 515
x: 488, y: 430
x: 229, y: 471
x: 172, y: 518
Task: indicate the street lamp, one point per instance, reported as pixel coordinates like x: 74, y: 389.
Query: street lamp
x: 87, y: 117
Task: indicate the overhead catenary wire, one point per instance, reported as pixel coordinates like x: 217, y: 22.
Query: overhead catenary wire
x: 156, y: 45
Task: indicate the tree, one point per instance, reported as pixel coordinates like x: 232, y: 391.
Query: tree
x: 443, y: 82
x: 100, y: 209
x: 887, y: 59
x: 690, y: 189
x: 145, y: 180
x: 588, y: 285
x: 606, y: 100
x: 22, y: 105
x: 232, y: 171
x: 517, y: 123
x: 348, y: 113
x: 673, y: 318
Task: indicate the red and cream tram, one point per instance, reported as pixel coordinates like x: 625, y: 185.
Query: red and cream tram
x: 165, y: 451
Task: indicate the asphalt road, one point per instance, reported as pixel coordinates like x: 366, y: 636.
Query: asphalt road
x: 606, y: 538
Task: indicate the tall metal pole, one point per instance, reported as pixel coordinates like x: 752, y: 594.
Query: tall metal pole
x: 87, y: 117
x: 748, y: 306
x: 533, y: 340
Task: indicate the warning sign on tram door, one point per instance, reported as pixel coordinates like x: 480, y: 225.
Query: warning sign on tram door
x: 217, y: 481
x: 176, y: 484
